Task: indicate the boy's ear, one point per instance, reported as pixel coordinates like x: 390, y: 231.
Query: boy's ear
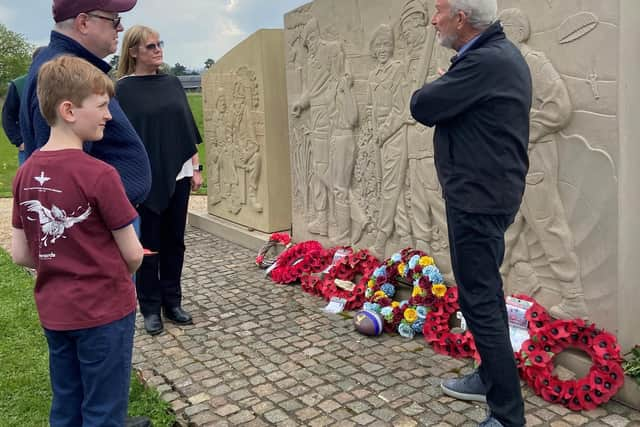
x: 65, y: 110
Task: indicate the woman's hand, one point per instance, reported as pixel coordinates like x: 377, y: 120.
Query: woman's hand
x: 196, y: 180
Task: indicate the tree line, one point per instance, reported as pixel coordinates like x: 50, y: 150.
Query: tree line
x: 15, y: 58
x: 177, y: 69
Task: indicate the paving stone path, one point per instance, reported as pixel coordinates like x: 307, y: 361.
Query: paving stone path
x: 265, y: 354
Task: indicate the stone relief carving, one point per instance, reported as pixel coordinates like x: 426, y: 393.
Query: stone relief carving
x: 392, y: 193
x: 387, y: 96
x: 236, y: 131
x: 422, y: 60
x: 332, y: 115
x: 542, y: 209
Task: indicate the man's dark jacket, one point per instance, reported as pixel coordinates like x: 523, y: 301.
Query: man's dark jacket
x: 11, y: 111
x: 480, y: 108
x: 120, y: 146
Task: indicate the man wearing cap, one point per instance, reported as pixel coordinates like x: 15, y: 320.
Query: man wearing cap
x: 480, y: 110
x: 89, y: 29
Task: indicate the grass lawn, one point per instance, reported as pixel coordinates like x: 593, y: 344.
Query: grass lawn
x: 195, y: 102
x: 9, y: 153
x: 24, y: 371
x: 8, y: 164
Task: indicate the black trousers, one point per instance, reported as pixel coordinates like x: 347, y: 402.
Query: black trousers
x: 477, y: 249
x: 158, y: 279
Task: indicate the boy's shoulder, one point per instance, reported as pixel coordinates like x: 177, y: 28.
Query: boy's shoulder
x: 67, y: 162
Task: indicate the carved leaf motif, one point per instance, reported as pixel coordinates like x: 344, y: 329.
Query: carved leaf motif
x: 577, y: 26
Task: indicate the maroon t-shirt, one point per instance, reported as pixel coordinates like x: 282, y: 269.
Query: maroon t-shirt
x: 68, y: 203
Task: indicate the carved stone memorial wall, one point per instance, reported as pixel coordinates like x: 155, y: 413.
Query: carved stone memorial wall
x: 363, y: 171
x: 245, y: 121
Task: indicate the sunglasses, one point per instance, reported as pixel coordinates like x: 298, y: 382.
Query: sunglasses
x: 116, y: 21
x: 154, y: 46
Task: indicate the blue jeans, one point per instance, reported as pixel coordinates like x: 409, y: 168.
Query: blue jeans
x: 90, y: 372
x: 136, y: 225
x: 136, y: 228
x: 22, y: 157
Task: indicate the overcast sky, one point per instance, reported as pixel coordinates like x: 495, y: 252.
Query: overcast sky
x: 193, y: 30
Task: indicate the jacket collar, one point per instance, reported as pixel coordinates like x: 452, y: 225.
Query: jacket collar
x: 61, y: 43
x: 492, y: 33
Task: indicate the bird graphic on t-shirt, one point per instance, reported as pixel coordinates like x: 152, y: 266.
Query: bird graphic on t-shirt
x: 53, y: 221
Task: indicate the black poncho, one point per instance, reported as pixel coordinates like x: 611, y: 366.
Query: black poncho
x: 159, y: 111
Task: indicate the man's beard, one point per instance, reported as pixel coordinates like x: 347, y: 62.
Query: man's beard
x: 447, y: 41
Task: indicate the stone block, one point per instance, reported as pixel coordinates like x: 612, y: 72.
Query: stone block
x: 245, y: 121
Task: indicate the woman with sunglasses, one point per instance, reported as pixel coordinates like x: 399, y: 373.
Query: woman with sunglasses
x: 158, y: 109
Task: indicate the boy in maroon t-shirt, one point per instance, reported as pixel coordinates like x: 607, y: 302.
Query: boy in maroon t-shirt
x: 72, y: 223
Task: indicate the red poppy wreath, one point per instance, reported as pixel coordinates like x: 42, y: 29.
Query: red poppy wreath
x: 311, y: 280
x: 604, y: 379
x: 536, y: 315
x: 437, y: 331
x: 275, y: 240
x: 349, y: 268
x: 304, y: 257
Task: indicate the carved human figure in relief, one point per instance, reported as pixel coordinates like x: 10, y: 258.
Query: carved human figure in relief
x: 324, y: 71
x: 428, y: 218
x: 227, y: 159
x: 542, y: 209
x: 342, y: 153
x: 387, y: 97
x: 248, y: 158
x: 218, y: 141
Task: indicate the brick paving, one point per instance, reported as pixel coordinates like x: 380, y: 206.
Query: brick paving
x: 265, y: 354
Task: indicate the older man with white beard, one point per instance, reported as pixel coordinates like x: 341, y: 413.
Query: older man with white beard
x: 480, y: 108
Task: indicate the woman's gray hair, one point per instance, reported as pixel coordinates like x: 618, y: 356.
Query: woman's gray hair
x: 481, y: 13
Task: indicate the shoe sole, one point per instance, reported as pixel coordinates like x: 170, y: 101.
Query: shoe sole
x: 190, y: 322
x: 156, y: 332
x: 463, y: 396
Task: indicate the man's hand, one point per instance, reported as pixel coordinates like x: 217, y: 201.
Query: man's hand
x: 21, y: 147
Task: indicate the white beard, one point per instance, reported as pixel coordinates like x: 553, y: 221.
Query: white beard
x: 447, y: 41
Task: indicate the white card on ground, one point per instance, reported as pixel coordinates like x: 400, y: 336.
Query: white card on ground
x: 336, y: 305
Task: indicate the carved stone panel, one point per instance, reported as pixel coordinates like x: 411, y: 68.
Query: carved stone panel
x: 365, y: 176
x: 245, y: 120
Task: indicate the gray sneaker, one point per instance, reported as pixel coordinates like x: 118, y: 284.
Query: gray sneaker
x: 468, y: 387
x: 490, y: 422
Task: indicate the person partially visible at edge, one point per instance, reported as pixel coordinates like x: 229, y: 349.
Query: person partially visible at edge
x: 480, y: 110
x: 89, y: 29
x: 72, y: 222
x: 11, y: 111
x: 157, y: 106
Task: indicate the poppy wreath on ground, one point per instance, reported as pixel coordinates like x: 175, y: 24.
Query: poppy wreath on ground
x: 437, y: 331
x: 412, y: 267
x: 310, y: 281
x: 274, y: 241
x: 349, y: 268
x: 301, y: 258
x: 536, y: 315
x: 604, y: 379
